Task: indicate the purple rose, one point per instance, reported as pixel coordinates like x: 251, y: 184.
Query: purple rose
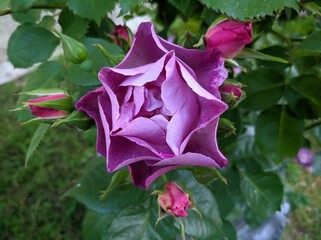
x: 229, y: 37
x: 305, y: 157
x: 158, y: 109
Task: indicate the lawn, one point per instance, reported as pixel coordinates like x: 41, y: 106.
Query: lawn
x: 32, y: 205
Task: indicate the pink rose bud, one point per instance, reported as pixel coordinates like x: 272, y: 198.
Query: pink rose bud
x: 120, y: 33
x: 229, y: 37
x: 174, y: 200
x: 43, y: 107
x: 231, y: 89
x: 305, y: 157
x: 232, y: 94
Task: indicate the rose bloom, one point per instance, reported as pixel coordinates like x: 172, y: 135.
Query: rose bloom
x: 158, y: 109
x: 229, y: 37
x: 305, y: 157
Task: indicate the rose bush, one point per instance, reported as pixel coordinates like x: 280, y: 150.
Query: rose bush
x: 159, y: 108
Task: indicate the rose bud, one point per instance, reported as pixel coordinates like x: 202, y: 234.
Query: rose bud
x: 174, y: 200
x: 50, y: 106
x: 229, y: 37
x: 74, y: 51
x: 305, y: 157
x: 232, y: 94
x: 120, y: 34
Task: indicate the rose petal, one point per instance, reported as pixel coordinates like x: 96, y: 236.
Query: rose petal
x: 145, y: 49
x: 89, y: 104
x: 203, y: 142
x: 147, y: 133
x: 143, y: 175
x: 122, y: 152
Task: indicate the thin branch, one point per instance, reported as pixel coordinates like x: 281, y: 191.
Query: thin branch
x: 35, y: 6
x: 312, y: 125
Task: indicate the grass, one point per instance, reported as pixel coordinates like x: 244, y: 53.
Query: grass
x: 31, y: 198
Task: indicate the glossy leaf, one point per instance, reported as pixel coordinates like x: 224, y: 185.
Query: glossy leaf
x: 36, y: 140
x: 308, y: 86
x: 263, y: 193
x: 30, y: 44
x: 18, y: 5
x: 78, y: 76
x: 250, y: 53
x: 94, y: 225
x: 91, y: 9
x: 30, y: 16
x: 88, y: 192
x: 249, y: 8
x: 207, y: 175
x: 72, y: 25
x: 264, y: 88
x: 277, y: 133
x: 120, y: 181
x: 138, y: 222
x: 128, y: 5
x: 312, y: 43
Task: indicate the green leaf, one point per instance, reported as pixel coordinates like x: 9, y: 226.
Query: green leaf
x: 250, y: 53
x: 95, y: 56
x: 308, y: 86
x: 263, y: 193
x: 36, y: 140
x: 206, y: 175
x: 72, y: 25
x: 88, y: 192
x: 93, y: 226
x: 249, y: 8
x: 21, y: 5
x: 78, y: 76
x: 112, y: 60
x: 91, y: 9
x: 187, y: 7
x: 30, y: 16
x: 127, y: 5
x: 277, y: 133
x: 264, y: 88
x: 138, y: 222
x: 30, y: 44
x: 120, y: 181
x: 312, y: 43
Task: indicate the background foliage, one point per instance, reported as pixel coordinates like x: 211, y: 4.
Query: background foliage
x: 280, y: 115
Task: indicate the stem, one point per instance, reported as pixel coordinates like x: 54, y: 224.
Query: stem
x: 312, y: 125
x: 182, y: 228
x: 35, y: 6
